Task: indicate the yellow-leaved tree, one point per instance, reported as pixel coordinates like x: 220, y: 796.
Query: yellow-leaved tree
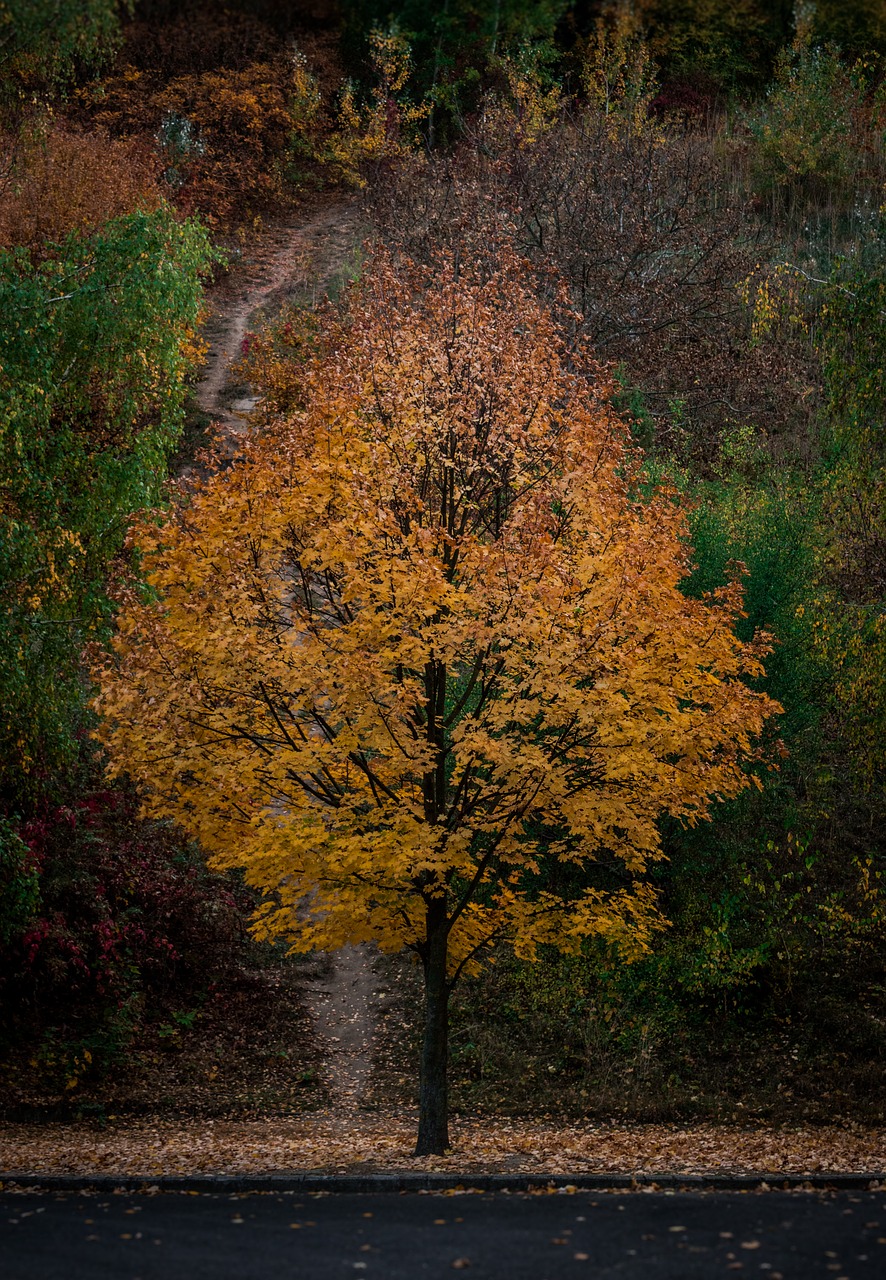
x: 424, y: 639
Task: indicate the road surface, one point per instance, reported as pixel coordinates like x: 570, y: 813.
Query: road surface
x: 655, y: 1235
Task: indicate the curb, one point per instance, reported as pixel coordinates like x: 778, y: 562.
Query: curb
x: 402, y: 1183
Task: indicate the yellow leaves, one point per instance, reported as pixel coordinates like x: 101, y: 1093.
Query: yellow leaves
x: 419, y: 621
x: 618, y: 74
x: 528, y: 108
x: 193, y: 349
x: 380, y: 129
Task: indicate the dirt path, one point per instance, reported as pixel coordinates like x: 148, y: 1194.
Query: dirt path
x: 300, y: 261
x: 297, y: 261
x: 344, y: 1005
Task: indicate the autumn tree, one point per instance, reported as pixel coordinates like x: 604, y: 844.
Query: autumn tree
x: 425, y: 639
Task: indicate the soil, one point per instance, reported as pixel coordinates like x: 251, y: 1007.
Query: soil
x: 298, y: 261
x: 345, y: 1010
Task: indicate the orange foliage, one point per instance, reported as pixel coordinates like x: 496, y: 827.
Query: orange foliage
x: 450, y: 506
x: 244, y: 122
x: 242, y: 128
x: 69, y: 181
x: 424, y: 640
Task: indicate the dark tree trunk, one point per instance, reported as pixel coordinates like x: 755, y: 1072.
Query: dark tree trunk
x: 433, y: 1122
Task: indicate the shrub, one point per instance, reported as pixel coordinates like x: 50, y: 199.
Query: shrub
x: 644, y: 226
x: 45, y: 43
x: 127, y: 918
x: 67, y: 181
x: 204, y: 38
x: 817, y: 130
x: 227, y: 137
x: 377, y: 130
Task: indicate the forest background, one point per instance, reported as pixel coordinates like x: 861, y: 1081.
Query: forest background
x: 707, y: 180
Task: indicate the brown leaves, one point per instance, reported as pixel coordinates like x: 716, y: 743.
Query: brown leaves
x: 225, y: 133
x: 325, y: 1141
x: 70, y: 181
x: 648, y: 231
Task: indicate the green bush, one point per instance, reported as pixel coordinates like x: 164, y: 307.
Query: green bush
x: 728, y: 43
x: 808, y: 132
x: 92, y: 398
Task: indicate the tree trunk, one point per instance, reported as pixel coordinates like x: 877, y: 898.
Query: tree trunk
x: 433, y: 1122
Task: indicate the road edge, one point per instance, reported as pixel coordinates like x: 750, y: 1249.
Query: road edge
x: 402, y: 1183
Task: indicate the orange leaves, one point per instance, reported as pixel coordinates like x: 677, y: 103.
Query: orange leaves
x: 228, y: 137
x: 66, y: 181
x: 423, y: 618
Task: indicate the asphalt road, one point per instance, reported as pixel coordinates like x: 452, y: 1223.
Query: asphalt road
x: 772, y: 1235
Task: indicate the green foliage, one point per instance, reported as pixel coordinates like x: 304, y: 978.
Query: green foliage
x: 697, y: 1029
x: 19, y: 884
x: 803, y: 129
x: 769, y: 528
x: 728, y: 43
x: 44, y: 43
x: 631, y: 403
x: 842, y: 608
x: 858, y: 26
x: 850, y: 617
x: 851, y: 337
x: 454, y: 43
x: 788, y: 874
x: 92, y: 393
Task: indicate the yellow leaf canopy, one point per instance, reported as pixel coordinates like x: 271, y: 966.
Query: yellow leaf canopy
x: 425, y: 636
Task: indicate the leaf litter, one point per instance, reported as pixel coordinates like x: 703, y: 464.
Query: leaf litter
x: 336, y: 1142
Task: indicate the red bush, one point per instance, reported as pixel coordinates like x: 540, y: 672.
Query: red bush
x: 129, y: 916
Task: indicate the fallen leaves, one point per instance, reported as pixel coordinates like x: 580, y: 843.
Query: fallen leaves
x: 357, y: 1141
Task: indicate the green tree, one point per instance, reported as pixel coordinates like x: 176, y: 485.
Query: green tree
x: 730, y: 43
x: 92, y: 392
x: 454, y: 41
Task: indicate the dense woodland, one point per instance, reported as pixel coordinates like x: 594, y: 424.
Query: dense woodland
x: 691, y: 197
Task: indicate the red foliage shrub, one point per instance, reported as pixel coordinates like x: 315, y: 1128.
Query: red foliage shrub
x: 128, y: 918
x: 68, y: 181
